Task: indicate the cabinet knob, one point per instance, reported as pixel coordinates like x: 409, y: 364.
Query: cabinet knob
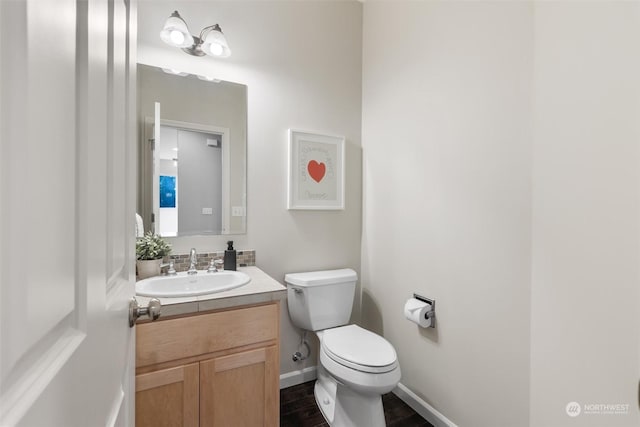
x: 152, y: 310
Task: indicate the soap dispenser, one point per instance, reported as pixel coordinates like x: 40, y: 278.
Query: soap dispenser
x: 230, y: 257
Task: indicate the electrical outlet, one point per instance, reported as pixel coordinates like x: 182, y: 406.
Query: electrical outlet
x: 207, y: 211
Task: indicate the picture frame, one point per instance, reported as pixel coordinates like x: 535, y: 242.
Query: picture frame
x: 316, y: 171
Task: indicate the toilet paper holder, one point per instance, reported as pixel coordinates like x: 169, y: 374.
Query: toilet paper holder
x: 431, y: 314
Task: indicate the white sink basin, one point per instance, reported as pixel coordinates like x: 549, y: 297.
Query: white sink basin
x: 183, y: 285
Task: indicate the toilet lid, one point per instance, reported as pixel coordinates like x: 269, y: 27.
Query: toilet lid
x: 359, y: 349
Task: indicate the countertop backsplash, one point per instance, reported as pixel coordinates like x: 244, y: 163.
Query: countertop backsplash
x: 245, y: 258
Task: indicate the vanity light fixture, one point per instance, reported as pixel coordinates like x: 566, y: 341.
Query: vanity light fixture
x: 211, y: 40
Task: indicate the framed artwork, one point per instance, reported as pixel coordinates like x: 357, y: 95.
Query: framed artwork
x: 316, y: 171
x: 167, y: 191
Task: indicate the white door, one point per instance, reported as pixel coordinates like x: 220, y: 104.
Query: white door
x: 67, y: 97
x: 156, y: 147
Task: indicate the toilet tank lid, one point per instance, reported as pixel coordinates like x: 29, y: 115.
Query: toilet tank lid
x: 325, y: 277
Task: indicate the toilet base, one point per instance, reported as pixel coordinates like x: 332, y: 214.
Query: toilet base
x: 342, y: 407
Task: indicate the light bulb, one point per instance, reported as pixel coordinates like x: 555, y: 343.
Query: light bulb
x: 216, y: 49
x: 177, y: 37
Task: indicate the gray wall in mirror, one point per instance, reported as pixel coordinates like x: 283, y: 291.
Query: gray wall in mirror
x: 191, y: 100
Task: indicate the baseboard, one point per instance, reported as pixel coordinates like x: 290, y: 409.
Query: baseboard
x: 298, y: 377
x: 427, y: 411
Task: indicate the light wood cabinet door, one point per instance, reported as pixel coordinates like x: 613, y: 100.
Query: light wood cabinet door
x: 168, y: 397
x: 240, y: 389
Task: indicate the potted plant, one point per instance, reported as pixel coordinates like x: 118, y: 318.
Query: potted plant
x: 150, y: 250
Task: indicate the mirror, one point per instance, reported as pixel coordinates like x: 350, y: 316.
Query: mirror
x: 192, y: 154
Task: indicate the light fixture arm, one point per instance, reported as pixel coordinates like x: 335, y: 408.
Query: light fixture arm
x: 196, y: 48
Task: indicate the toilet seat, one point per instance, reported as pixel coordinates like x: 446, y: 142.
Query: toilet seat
x: 359, y: 349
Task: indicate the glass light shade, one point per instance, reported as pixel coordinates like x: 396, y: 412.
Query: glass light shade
x: 175, y: 32
x: 215, y: 44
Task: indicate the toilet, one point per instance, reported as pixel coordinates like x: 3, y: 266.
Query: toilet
x: 356, y: 366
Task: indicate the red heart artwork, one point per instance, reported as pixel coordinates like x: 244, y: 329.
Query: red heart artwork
x: 316, y: 170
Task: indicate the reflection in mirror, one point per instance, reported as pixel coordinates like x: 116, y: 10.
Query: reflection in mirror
x: 192, y: 154
x: 189, y: 158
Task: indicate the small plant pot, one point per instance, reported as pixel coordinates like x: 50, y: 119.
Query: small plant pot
x: 148, y: 268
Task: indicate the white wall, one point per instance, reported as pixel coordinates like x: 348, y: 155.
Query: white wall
x: 500, y: 178
x: 301, y: 62
x: 447, y: 199
x: 500, y: 151
x: 584, y: 327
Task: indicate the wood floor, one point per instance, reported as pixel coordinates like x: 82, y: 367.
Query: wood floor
x: 298, y: 409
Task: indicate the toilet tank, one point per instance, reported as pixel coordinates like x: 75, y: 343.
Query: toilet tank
x: 321, y: 299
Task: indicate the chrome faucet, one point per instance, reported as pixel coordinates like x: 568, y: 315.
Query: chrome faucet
x: 171, y: 271
x: 194, y: 261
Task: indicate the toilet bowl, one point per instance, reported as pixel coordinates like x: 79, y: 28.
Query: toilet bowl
x: 359, y: 359
x: 363, y: 367
x: 356, y: 366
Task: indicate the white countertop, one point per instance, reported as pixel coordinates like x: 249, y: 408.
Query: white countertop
x: 261, y: 288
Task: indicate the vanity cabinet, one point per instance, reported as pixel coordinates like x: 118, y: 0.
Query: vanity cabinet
x: 168, y: 397
x: 237, y: 390
x: 216, y: 369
